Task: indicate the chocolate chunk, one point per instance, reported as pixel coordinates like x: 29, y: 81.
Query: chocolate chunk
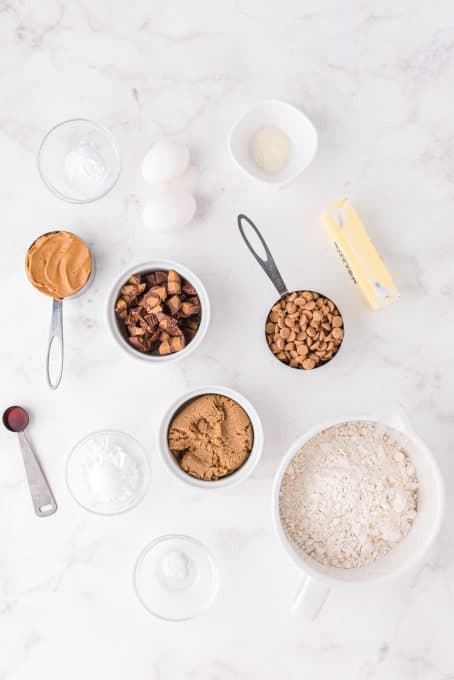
x: 174, y: 304
x: 188, y: 288
x: 190, y: 307
x: 174, y: 283
x: 156, y: 278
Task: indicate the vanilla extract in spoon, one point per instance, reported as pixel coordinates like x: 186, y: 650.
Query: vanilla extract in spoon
x: 16, y: 419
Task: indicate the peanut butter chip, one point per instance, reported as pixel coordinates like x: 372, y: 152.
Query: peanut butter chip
x: 304, y: 330
x: 308, y: 364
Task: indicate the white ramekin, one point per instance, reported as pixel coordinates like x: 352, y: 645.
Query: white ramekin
x: 159, y: 265
x: 236, y: 477
x: 287, y: 118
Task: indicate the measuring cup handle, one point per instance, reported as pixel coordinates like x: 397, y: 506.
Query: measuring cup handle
x: 55, y: 344
x: 269, y: 266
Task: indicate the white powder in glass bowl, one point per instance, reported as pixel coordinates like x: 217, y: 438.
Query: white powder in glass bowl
x: 349, y: 495
x: 84, y: 167
x: 111, y: 474
x: 108, y: 472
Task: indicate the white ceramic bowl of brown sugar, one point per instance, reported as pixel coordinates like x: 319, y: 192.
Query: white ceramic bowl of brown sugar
x: 235, y: 477
x: 119, y: 330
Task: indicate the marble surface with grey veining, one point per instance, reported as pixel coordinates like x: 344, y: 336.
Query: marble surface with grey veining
x: 376, y: 78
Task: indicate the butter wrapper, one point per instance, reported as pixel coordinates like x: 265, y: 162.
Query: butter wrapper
x: 359, y: 255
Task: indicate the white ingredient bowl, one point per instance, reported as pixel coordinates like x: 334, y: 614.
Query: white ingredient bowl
x: 402, y: 556
x: 236, y: 477
x: 290, y: 120
x: 424, y: 530
x: 159, y: 265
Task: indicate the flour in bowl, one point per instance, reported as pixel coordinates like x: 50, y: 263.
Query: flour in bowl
x: 349, y: 495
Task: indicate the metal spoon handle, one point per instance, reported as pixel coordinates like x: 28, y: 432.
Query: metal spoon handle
x: 269, y: 265
x: 55, y: 345
x: 42, y: 497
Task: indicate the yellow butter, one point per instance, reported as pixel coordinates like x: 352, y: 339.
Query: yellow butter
x: 359, y: 255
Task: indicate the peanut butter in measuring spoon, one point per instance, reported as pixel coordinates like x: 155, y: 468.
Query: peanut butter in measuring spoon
x: 58, y: 264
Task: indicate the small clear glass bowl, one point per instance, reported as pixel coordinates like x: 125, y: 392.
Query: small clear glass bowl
x: 176, y: 578
x: 79, y: 161
x: 108, y: 472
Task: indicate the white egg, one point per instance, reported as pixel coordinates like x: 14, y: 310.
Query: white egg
x: 169, y: 209
x: 166, y: 160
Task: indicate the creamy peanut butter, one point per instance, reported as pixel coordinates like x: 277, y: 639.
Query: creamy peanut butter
x: 58, y: 264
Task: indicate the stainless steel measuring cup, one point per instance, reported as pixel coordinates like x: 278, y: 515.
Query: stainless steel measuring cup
x: 55, y: 345
x: 289, y: 354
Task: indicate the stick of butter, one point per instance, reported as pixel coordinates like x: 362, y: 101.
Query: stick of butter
x: 359, y: 255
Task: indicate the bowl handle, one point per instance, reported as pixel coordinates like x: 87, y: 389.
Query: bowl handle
x: 310, y: 598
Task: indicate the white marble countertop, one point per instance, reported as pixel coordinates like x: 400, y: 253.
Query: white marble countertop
x: 376, y: 79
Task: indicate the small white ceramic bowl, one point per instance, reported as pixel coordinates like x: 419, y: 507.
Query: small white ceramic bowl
x: 293, y: 122
x: 236, y: 477
x: 159, y: 265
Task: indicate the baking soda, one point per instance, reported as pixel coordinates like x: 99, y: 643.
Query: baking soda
x: 84, y: 167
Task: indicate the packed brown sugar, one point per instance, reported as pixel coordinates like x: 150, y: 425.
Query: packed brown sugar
x: 211, y: 437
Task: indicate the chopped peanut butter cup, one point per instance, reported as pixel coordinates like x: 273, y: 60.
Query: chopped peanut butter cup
x: 160, y: 312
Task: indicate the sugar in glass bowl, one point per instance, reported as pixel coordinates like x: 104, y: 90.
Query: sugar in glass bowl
x: 79, y: 161
x: 108, y: 472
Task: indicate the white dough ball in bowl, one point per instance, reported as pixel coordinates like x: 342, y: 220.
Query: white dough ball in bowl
x: 169, y: 209
x: 165, y: 160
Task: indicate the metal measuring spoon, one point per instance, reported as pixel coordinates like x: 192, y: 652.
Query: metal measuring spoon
x: 16, y: 419
x: 270, y: 268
